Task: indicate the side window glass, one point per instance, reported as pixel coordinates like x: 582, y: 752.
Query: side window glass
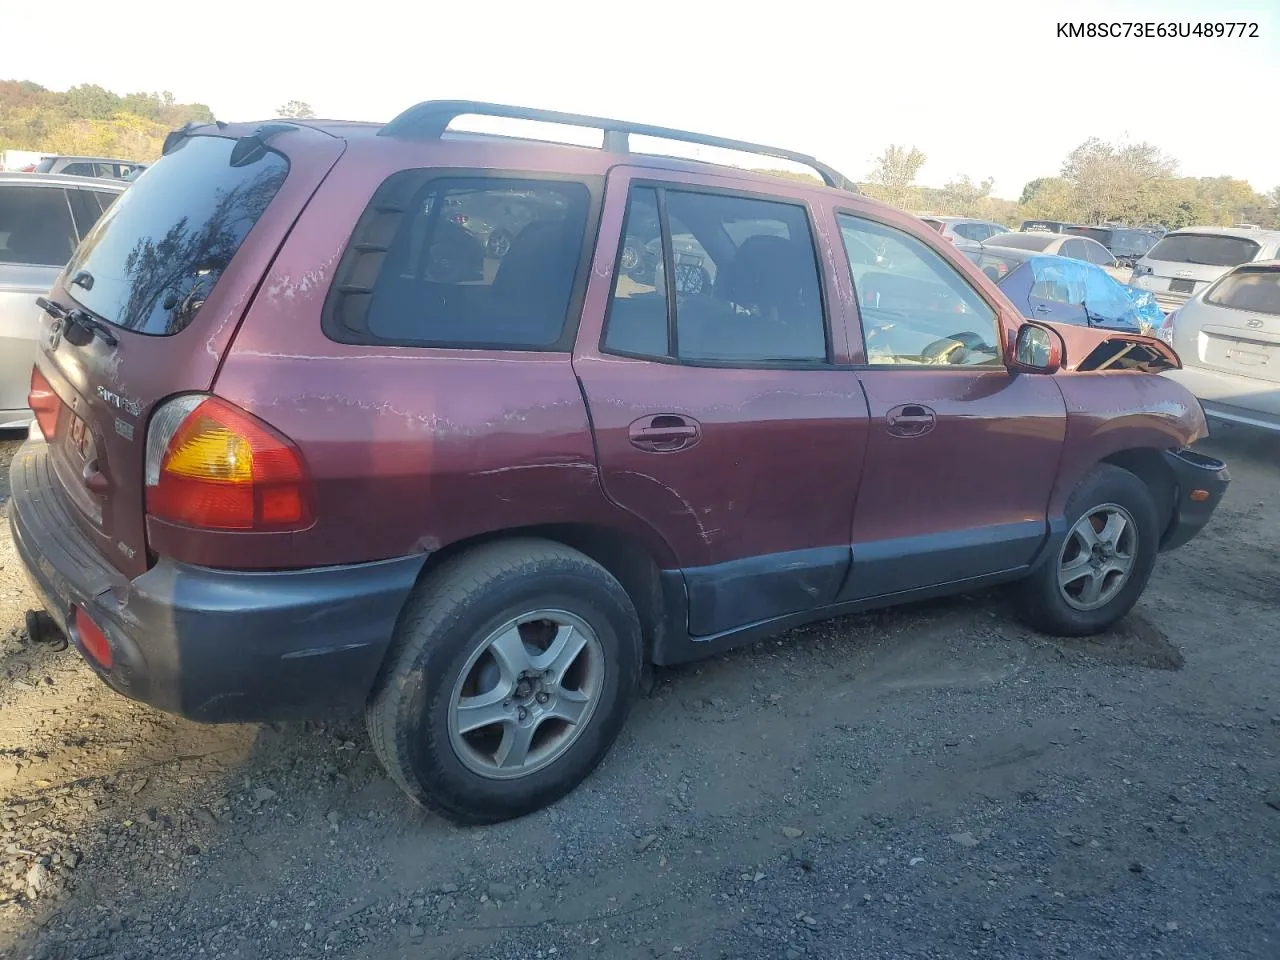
x: 1058, y: 282
x: 35, y: 226
x: 637, y: 321
x: 1098, y: 254
x: 745, y: 281
x: 103, y: 200
x: 85, y: 209
x: 915, y: 308
x: 469, y: 262
x: 78, y: 169
x: 1075, y: 249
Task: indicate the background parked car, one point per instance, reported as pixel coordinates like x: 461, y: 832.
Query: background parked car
x: 42, y: 218
x: 1045, y: 226
x: 106, y: 168
x: 1126, y: 244
x: 965, y: 228
x: 1048, y: 287
x: 1063, y: 245
x: 1228, y: 337
x: 1186, y: 261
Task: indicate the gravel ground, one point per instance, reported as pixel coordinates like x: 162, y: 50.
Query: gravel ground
x: 929, y: 782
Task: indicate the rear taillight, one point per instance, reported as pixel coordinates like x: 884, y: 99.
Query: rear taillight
x: 1165, y: 330
x: 212, y: 465
x: 44, y: 403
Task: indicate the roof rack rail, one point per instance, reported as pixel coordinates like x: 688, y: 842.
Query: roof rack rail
x: 431, y: 118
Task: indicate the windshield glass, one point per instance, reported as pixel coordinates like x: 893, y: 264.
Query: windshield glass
x: 1254, y: 290
x: 1207, y: 249
x: 157, y: 253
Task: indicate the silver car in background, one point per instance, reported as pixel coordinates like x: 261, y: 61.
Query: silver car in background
x: 1186, y: 261
x: 43, y: 217
x: 1228, y: 338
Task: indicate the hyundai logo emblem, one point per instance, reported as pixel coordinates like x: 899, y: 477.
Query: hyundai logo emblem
x: 55, y: 334
x: 1255, y: 323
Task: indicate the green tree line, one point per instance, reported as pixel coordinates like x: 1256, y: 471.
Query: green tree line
x: 1098, y: 182
x: 90, y: 120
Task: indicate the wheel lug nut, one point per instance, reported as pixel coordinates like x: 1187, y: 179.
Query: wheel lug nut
x: 523, y: 713
x: 543, y: 698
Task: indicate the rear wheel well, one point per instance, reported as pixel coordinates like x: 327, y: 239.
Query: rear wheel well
x: 624, y: 556
x: 1149, y: 466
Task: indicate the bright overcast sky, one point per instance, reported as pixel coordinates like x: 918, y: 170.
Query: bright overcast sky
x: 984, y: 88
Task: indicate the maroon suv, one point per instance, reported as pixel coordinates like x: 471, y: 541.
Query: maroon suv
x: 307, y: 440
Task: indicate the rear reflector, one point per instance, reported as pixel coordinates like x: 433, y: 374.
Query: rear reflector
x: 44, y: 403
x: 214, y: 466
x: 92, y: 639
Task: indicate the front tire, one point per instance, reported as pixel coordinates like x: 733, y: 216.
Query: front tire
x: 511, y: 673
x: 1102, y: 566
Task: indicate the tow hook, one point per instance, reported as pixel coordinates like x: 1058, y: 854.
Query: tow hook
x: 41, y: 628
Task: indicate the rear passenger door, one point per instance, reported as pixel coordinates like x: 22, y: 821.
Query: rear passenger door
x: 725, y: 412
x: 962, y: 453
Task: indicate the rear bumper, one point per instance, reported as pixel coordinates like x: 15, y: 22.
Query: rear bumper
x: 1193, y: 472
x: 212, y: 645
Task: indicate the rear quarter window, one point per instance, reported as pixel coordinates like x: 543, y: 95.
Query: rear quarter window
x: 1205, y: 249
x: 162, y: 246
x: 472, y: 262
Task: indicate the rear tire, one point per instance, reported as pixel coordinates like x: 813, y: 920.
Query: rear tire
x: 1099, y: 571
x: 494, y: 652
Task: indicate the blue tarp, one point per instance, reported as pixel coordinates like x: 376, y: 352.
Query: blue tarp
x: 1109, y: 302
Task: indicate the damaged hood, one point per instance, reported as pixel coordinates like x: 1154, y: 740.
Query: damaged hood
x: 1094, y: 348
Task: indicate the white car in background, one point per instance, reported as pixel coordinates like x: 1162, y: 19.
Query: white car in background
x: 42, y: 219
x: 1228, y: 338
x: 1186, y: 261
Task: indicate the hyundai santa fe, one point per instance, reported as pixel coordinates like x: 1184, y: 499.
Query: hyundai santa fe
x: 306, y: 442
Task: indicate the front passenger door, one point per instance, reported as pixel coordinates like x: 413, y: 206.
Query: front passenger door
x: 962, y: 453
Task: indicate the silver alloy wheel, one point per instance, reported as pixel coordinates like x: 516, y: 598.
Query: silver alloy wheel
x: 526, y: 694
x: 1097, y: 557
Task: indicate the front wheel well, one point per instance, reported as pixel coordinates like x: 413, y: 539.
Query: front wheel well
x: 1149, y: 466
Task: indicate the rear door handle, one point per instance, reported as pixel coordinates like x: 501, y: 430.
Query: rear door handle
x: 910, y: 420
x: 664, y: 433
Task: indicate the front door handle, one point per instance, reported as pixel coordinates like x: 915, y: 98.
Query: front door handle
x: 910, y: 420
x: 1042, y: 308
x: 664, y: 433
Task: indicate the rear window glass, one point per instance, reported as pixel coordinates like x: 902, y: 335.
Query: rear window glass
x: 158, y: 251
x: 1254, y: 290
x: 1022, y: 241
x: 472, y: 262
x: 1206, y: 249
x: 45, y: 165
x: 35, y: 226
